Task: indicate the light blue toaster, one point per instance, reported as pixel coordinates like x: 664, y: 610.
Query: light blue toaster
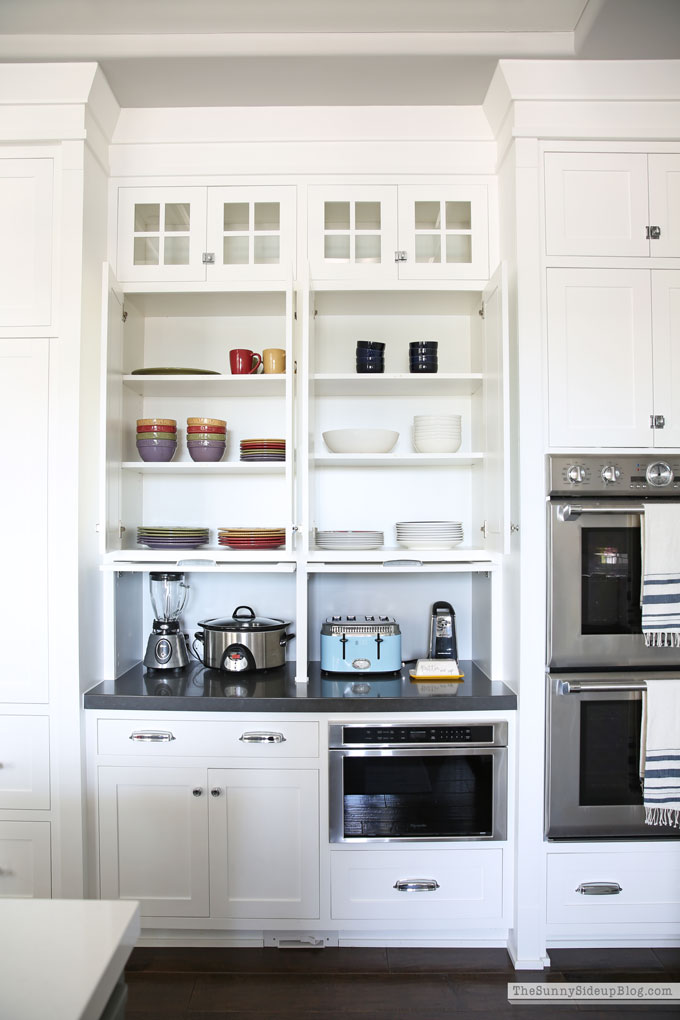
x: 360, y: 644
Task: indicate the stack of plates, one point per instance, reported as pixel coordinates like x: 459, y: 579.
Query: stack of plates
x: 252, y: 538
x: 429, y: 534
x: 172, y: 538
x: 263, y: 449
x: 349, y: 539
x: 436, y: 433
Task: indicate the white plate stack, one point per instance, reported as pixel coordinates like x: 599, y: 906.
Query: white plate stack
x: 429, y: 534
x: 436, y: 433
x: 349, y: 539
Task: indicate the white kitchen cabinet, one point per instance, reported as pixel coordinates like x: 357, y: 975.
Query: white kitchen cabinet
x: 613, y: 357
x: 192, y: 234
x: 24, y: 367
x: 24, y: 762
x: 612, y: 204
x: 26, y: 248
x: 264, y: 845
x: 25, y: 859
x: 153, y: 838
x: 384, y: 233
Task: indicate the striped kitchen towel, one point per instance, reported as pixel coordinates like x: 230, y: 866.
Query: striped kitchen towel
x: 660, y: 752
x: 661, y: 575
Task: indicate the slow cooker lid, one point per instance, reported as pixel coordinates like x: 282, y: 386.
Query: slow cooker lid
x: 244, y: 619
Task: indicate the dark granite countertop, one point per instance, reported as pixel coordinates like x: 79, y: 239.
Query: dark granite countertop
x: 197, y: 689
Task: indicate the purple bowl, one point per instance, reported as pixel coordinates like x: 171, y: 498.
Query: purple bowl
x: 141, y: 443
x: 157, y: 454
x: 198, y: 444
x: 204, y: 452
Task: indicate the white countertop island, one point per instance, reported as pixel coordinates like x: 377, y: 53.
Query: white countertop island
x: 62, y: 958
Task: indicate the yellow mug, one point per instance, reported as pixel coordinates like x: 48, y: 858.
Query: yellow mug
x: 274, y: 360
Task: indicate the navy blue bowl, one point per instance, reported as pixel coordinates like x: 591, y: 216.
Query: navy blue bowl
x: 419, y: 368
x: 428, y: 345
x: 373, y: 367
x: 423, y: 361
x: 370, y: 345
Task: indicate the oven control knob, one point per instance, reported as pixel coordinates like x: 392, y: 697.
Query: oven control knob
x: 576, y: 474
x: 610, y: 474
x: 659, y: 473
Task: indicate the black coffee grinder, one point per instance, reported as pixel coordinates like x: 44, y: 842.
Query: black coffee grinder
x: 166, y: 648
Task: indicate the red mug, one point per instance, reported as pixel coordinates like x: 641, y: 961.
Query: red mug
x: 243, y: 362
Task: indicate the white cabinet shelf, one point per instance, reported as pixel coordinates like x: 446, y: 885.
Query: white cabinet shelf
x: 206, y: 385
x: 393, y: 460
x: 397, y: 384
x: 206, y: 556
x: 193, y: 468
x: 397, y: 561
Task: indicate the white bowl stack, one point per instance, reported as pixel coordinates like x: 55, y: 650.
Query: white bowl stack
x: 429, y: 534
x: 436, y: 433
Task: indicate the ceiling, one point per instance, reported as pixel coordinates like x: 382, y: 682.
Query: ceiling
x: 168, y: 53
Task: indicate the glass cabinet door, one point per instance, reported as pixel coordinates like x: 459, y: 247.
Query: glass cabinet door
x: 443, y: 232
x: 161, y: 234
x: 352, y: 233
x: 251, y: 233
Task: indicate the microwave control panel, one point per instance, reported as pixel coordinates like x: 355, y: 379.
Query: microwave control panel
x: 471, y: 734
x: 613, y: 475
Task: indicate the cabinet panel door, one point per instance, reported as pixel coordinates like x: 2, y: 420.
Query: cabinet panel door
x: 26, y: 215
x: 264, y: 843
x: 352, y: 233
x: 664, y: 203
x: 666, y: 338
x: 599, y: 357
x: 25, y: 762
x: 153, y: 839
x: 444, y: 232
x: 25, y: 860
x: 494, y: 499
x: 596, y: 203
x: 23, y: 515
x: 251, y: 233
x: 161, y: 234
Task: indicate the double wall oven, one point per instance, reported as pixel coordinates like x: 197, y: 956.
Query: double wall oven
x: 597, y: 657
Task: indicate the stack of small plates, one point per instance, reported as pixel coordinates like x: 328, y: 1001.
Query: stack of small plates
x: 263, y: 449
x: 252, y: 538
x: 436, y: 433
x: 429, y: 534
x: 172, y: 538
x: 349, y: 539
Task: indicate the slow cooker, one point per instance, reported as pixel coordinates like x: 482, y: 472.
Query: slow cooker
x: 243, y: 641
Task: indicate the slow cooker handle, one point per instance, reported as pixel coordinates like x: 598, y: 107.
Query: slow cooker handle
x: 285, y: 638
x: 235, y: 613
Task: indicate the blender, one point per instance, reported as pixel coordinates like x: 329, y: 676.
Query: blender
x: 166, y: 647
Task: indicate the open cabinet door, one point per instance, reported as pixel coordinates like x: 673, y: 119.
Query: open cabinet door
x: 495, y: 502
x: 111, y: 401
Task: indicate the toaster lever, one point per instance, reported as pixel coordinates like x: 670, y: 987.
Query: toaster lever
x: 378, y: 641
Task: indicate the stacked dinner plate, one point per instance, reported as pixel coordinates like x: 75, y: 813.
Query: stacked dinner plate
x: 252, y: 538
x: 172, y: 537
x: 429, y: 534
x: 263, y: 449
x: 349, y: 539
x: 436, y: 433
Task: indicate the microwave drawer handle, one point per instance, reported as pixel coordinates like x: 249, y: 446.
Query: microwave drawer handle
x: 599, y: 888
x: 416, y: 885
x: 262, y: 738
x: 152, y: 736
x: 585, y: 686
x: 572, y: 511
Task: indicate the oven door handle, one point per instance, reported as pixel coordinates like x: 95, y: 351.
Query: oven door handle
x: 572, y: 511
x: 585, y: 686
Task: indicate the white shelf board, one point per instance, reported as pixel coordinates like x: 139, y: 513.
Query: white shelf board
x: 195, y: 567
x: 415, y: 460
x: 400, y: 559
x: 390, y: 384
x: 183, y: 467
x: 207, y: 557
x: 206, y: 385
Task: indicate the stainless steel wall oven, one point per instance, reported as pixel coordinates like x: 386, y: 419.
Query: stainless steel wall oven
x: 417, y: 782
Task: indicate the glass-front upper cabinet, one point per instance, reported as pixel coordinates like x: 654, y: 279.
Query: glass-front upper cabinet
x: 399, y: 232
x: 197, y: 234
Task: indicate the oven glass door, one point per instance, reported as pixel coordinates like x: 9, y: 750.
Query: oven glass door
x: 423, y: 794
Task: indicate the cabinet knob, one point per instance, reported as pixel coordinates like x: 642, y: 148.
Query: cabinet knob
x: 197, y: 792
x: 215, y: 792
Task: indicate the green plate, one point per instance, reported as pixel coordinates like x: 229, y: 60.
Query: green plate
x: 173, y: 371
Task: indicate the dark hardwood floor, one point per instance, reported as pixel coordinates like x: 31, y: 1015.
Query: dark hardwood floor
x: 376, y: 984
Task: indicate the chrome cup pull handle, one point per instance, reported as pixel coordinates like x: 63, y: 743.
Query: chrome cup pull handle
x: 416, y: 885
x: 599, y: 888
x: 152, y: 736
x: 256, y: 737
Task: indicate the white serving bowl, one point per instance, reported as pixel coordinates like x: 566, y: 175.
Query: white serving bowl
x: 436, y: 445
x: 360, y: 440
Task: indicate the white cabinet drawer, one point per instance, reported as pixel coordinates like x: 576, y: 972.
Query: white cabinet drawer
x: 394, y: 884
x: 24, y: 762
x: 649, y: 887
x: 25, y: 859
x: 261, y: 740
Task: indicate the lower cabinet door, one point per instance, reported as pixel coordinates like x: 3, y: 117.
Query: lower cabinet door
x: 25, y: 870
x: 424, y: 885
x: 153, y: 839
x: 264, y: 843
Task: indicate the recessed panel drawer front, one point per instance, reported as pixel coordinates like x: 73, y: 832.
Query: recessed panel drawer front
x: 25, y: 860
x: 611, y: 888
x: 417, y: 885
x: 261, y: 740
x: 24, y: 762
